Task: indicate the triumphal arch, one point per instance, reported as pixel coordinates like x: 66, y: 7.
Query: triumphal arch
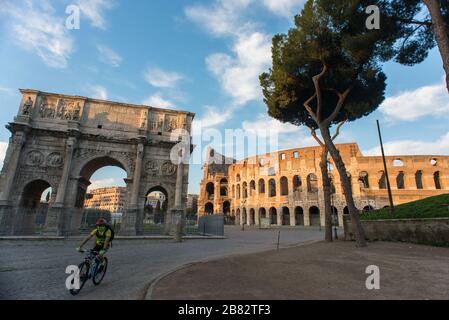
x: 59, y: 141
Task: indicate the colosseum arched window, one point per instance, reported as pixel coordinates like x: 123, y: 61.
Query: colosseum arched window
x: 261, y: 186
x: 252, y: 188
x: 297, y: 183
x: 245, y: 190
x: 272, y: 188
x: 363, y: 179
x: 436, y: 178
x: 400, y: 180
x: 238, y: 191
x: 312, y: 183
x: 284, y: 186
x: 210, y: 190
x: 382, y: 180
x: 418, y: 179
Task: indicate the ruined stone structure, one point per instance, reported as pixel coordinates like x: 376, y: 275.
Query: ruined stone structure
x: 59, y: 141
x: 286, y: 186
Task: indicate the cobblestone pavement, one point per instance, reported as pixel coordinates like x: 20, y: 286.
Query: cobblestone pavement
x: 36, y: 269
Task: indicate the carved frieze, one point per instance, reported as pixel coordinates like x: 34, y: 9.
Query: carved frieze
x: 55, y: 160
x: 27, y: 107
x: 168, y: 168
x: 62, y: 109
x: 34, y: 158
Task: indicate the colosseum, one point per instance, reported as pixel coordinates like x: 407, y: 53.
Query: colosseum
x: 283, y: 188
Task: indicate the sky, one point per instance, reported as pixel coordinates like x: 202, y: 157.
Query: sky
x: 199, y: 56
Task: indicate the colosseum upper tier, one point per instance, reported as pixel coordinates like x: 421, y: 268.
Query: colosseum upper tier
x: 284, y: 187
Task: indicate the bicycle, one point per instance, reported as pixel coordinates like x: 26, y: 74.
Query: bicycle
x: 91, y: 268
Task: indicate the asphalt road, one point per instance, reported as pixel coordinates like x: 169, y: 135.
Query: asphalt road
x: 36, y: 269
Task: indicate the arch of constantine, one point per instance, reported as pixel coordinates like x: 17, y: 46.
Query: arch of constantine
x: 286, y: 186
x: 59, y: 141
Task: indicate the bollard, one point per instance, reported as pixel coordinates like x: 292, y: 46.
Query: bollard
x: 279, y: 237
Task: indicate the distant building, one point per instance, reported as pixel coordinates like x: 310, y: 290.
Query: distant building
x: 192, y: 202
x: 111, y: 199
x: 155, y: 197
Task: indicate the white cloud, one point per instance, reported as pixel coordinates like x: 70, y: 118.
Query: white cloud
x: 214, y: 116
x: 410, y: 105
x: 36, y: 28
x: 162, y: 79
x: 8, y: 91
x: 109, y: 56
x: 221, y: 18
x: 103, y: 183
x: 286, y: 8
x: 287, y: 134
x: 93, y: 10
x: 239, y: 75
x: 413, y: 147
x: 158, y: 101
x: 99, y: 92
x: 3, y: 148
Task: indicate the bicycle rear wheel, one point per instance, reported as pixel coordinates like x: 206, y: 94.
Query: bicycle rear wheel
x: 84, y: 275
x: 100, y: 273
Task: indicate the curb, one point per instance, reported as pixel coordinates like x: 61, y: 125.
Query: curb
x: 47, y: 238
x: 148, y: 290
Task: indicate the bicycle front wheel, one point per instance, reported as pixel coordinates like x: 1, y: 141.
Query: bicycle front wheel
x: 84, y: 275
x: 101, y: 271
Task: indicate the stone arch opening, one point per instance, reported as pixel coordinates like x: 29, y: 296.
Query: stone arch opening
x: 312, y: 183
x: 418, y: 179
x: 314, y: 216
x: 210, y: 190
x: 437, y: 180
x: 224, y: 187
x: 155, y: 208
x: 237, y: 215
x: 273, y: 216
x: 209, y: 208
x: 284, y: 186
x: 335, y: 219
x: 245, y: 190
x: 299, y: 215
x: 32, y: 212
x: 102, y: 191
x: 363, y: 180
x: 297, y: 183
x: 368, y: 208
x: 400, y: 180
x: 261, y: 186
x: 252, y: 217
x: 252, y: 188
x: 382, y: 180
x: 244, y: 216
x: 285, y: 216
x: 346, y: 210
x: 262, y: 213
x: 272, y: 188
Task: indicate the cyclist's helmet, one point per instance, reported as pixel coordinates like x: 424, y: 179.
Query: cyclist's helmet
x: 101, y: 222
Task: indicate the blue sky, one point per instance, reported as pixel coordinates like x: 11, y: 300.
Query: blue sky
x: 200, y: 56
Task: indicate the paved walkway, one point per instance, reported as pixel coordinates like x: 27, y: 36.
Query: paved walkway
x: 36, y: 269
x: 315, y: 271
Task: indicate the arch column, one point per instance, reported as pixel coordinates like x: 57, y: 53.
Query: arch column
x: 59, y: 220
x: 11, y: 161
x: 280, y: 215
x: 131, y: 225
x: 292, y: 216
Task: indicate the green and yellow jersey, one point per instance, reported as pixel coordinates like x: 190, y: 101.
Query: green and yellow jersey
x: 101, y: 235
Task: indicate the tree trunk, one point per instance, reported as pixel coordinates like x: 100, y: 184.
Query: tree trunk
x: 327, y: 195
x: 346, y: 184
x: 441, y: 30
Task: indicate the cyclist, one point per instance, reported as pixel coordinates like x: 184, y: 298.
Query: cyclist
x: 103, y: 236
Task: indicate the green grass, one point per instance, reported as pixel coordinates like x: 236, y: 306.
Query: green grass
x: 432, y: 207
